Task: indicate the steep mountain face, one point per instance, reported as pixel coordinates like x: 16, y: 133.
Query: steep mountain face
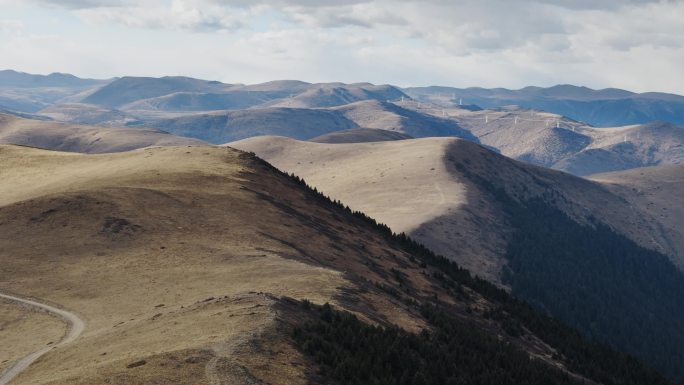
x: 536, y: 231
x: 82, y: 138
x: 602, y: 108
x: 187, y: 264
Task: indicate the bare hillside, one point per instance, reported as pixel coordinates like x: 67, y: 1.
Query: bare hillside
x: 88, y: 114
x: 557, y: 142
x: 414, y: 187
x: 360, y: 135
x: 182, y: 263
x: 571, y: 246
x: 307, y: 123
x: 657, y: 191
x: 82, y: 138
x: 163, y: 252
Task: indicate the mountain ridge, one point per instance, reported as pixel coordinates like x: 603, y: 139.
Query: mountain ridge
x: 216, y: 264
x: 479, y: 209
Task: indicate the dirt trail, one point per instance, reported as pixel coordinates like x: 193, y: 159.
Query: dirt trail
x: 76, y: 326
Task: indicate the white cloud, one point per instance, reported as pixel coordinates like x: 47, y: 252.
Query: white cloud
x: 11, y: 26
x: 178, y: 15
x: 509, y: 43
x: 83, y: 4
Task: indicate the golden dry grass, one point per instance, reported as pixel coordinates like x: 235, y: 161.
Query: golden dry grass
x: 24, y: 330
x: 136, y: 243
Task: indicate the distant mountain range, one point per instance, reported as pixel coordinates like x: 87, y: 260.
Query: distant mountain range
x: 307, y: 123
x: 9, y: 78
x: 601, y: 108
x: 187, y: 94
x: 552, y: 127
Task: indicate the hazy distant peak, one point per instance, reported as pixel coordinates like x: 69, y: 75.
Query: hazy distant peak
x: 11, y: 78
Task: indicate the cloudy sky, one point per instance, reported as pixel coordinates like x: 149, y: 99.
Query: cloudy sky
x: 632, y: 44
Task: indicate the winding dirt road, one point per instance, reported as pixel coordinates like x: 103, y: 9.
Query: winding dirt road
x: 76, y: 326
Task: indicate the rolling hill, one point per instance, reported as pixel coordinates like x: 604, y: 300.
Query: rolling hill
x: 188, y: 94
x: 338, y: 94
x: 601, y: 108
x: 30, y: 93
x: 360, y: 135
x: 82, y: 138
x: 557, y: 142
x: 188, y: 265
x: 130, y: 89
x: 308, y: 123
x: 621, y: 148
x: 88, y: 114
x: 571, y: 246
x: 654, y: 190
x: 218, y: 113
x: 203, y: 101
x: 9, y: 78
x: 218, y: 127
